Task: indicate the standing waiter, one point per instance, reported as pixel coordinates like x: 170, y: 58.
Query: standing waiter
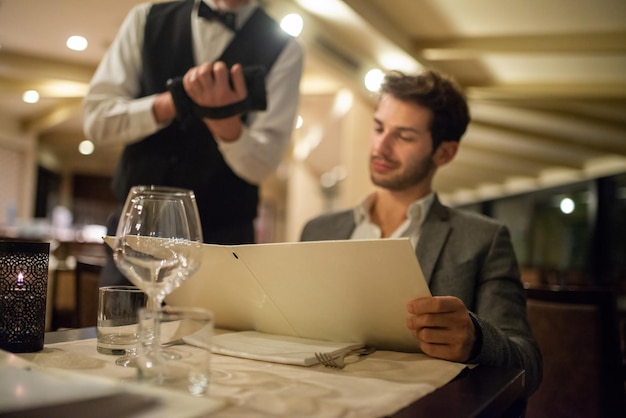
x: 172, y: 89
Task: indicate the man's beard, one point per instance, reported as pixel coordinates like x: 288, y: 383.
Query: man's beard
x: 414, y: 173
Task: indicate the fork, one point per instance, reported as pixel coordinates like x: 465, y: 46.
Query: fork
x: 338, y: 362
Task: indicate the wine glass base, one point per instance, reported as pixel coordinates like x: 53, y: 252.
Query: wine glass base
x: 131, y: 361
x: 126, y: 361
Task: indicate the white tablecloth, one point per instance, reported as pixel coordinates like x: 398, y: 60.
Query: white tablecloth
x: 377, y: 385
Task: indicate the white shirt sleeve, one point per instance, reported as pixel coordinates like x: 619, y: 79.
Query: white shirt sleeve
x: 111, y: 112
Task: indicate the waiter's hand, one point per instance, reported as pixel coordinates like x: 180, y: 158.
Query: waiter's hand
x: 442, y: 327
x: 209, y: 85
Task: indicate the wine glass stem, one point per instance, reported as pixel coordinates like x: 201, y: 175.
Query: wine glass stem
x: 154, y: 304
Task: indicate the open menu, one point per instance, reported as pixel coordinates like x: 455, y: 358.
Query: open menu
x: 344, y: 291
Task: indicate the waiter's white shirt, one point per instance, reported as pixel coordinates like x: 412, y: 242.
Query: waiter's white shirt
x: 113, y: 115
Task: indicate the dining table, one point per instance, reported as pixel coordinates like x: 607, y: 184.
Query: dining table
x: 382, y: 384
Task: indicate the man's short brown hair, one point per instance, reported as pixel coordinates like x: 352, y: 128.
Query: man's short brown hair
x: 436, y: 92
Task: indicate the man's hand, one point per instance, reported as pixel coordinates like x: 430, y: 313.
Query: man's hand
x: 209, y: 85
x: 443, y: 327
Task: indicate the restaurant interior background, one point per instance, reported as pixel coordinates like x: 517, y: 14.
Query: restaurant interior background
x: 545, y: 152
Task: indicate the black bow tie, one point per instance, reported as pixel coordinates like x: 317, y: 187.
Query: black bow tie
x: 226, y: 18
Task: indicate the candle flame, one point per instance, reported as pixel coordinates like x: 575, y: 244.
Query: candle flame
x: 20, y: 279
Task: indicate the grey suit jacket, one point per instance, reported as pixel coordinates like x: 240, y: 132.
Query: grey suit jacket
x: 469, y: 256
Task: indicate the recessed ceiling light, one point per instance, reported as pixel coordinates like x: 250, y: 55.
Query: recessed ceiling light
x: 567, y: 206
x: 30, y: 96
x: 86, y: 147
x: 76, y: 43
x: 292, y: 24
x: 373, y: 79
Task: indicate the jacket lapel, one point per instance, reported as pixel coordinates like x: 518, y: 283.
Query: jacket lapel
x: 344, y: 226
x: 433, y: 235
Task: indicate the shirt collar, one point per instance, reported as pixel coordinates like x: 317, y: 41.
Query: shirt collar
x: 362, y: 210
x: 420, y: 208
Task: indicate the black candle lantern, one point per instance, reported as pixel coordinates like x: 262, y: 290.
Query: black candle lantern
x: 23, y: 290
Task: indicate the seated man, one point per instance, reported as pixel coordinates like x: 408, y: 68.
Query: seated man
x: 477, y: 313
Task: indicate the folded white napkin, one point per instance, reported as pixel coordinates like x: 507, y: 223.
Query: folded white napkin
x: 276, y: 348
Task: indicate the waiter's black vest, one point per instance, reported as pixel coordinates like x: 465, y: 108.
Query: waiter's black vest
x: 190, y: 158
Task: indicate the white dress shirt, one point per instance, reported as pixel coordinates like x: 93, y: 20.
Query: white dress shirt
x: 112, y: 114
x: 415, y: 215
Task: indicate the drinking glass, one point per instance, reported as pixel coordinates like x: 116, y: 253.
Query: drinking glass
x: 158, y: 242
x: 117, y: 318
x: 191, y: 369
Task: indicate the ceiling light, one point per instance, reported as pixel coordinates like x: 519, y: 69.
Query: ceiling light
x: 76, y: 43
x: 30, y: 96
x: 292, y: 24
x: 567, y: 206
x: 373, y: 79
x: 86, y: 147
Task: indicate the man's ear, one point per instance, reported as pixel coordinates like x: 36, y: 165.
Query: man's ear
x: 445, y: 152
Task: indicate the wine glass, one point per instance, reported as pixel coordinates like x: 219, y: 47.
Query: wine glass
x: 158, y: 243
